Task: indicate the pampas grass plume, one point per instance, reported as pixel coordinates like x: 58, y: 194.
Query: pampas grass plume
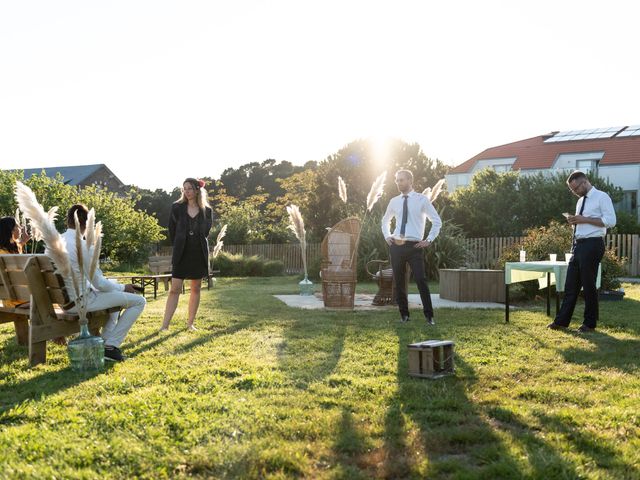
x: 297, y: 226
x: 43, y: 223
x: 377, y: 189
x: 436, y: 190
x: 219, y: 243
x: 342, y: 190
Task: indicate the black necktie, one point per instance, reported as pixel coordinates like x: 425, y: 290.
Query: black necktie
x: 405, y: 215
x: 575, y: 226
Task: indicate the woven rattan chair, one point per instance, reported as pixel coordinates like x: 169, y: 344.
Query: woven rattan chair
x: 339, y: 267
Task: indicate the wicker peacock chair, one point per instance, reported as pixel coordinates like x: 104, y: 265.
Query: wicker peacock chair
x: 339, y: 267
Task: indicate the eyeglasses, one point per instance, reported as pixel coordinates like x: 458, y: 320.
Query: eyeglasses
x: 577, y: 186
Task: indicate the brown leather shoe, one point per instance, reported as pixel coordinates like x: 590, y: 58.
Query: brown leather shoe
x: 556, y: 326
x: 585, y: 329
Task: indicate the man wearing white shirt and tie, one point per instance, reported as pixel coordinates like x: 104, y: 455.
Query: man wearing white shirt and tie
x: 594, y: 214
x: 406, y: 243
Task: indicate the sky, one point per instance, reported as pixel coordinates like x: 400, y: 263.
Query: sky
x: 163, y: 90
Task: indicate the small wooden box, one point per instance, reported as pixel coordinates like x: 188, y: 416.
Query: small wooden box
x: 431, y: 358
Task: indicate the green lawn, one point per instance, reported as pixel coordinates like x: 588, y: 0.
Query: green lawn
x: 265, y: 391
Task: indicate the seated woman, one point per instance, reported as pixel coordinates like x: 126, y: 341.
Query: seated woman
x: 12, y: 240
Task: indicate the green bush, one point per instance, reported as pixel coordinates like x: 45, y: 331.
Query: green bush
x: 612, y: 268
x: 626, y: 222
x: 238, y: 265
x: 540, y: 242
x: 273, y: 268
x: 313, y: 269
x: 448, y: 250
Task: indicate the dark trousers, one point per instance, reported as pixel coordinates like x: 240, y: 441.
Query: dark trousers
x: 582, y: 273
x: 400, y: 256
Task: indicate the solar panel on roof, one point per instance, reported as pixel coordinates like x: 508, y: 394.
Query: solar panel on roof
x: 589, y: 134
x: 632, y: 131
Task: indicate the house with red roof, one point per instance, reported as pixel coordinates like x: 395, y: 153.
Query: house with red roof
x: 612, y: 153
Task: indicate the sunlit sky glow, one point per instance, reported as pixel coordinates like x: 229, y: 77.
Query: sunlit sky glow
x: 162, y: 90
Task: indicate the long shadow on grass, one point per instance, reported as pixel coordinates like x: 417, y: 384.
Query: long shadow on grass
x: 37, y: 388
x: 241, y: 310
x: 610, y: 352
x: 589, y: 444
x: 448, y: 427
x: 312, y: 344
x: 151, y: 341
x: 312, y: 347
x: 437, y: 419
x: 620, y: 315
x: 544, y: 460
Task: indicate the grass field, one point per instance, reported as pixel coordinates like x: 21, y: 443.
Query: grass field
x: 265, y: 391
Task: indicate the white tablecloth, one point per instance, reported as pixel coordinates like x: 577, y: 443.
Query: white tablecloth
x: 515, y: 272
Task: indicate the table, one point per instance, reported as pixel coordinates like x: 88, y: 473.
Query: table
x: 546, y: 272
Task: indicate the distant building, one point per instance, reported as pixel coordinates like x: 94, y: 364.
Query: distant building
x: 613, y: 153
x: 82, y: 175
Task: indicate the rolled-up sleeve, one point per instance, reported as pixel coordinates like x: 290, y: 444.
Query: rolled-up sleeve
x: 608, y: 212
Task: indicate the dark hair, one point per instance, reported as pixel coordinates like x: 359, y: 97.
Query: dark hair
x: 576, y: 175
x: 83, y: 213
x: 7, y: 224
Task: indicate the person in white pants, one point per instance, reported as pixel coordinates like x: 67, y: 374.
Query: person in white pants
x: 103, y: 293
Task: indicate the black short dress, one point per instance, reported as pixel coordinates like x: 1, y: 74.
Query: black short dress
x: 192, y: 264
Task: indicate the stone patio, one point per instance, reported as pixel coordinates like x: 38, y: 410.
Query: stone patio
x: 363, y: 302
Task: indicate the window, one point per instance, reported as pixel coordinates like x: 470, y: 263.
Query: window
x: 629, y: 202
x: 586, y: 165
x: 502, y: 168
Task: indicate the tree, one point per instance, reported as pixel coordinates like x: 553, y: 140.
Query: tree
x: 507, y: 204
x: 358, y: 163
x: 129, y: 234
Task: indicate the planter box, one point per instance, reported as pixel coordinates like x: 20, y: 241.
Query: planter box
x: 610, y: 295
x: 472, y: 285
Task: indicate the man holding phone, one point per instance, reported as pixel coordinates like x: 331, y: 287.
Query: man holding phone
x: 594, y: 214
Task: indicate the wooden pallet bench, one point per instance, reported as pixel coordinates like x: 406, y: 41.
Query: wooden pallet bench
x: 33, y: 277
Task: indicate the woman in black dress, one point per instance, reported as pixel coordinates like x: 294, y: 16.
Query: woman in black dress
x: 189, y: 226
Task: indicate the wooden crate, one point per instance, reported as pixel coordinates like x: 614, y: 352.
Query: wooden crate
x: 472, y: 285
x: 431, y: 358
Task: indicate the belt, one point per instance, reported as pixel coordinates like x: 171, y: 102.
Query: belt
x: 398, y: 241
x: 589, y: 239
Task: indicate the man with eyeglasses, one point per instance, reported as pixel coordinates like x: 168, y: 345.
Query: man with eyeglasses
x: 406, y: 244
x: 594, y: 214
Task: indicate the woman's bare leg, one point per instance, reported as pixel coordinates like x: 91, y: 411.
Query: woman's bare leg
x: 172, y: 302
x: 194, y: 302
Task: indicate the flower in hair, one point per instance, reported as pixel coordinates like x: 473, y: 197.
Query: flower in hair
x: 201, y: 183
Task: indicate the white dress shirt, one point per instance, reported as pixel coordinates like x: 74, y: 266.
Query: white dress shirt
x: 598, y: 205
x: 419, y: 208
x: 99, y: 282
